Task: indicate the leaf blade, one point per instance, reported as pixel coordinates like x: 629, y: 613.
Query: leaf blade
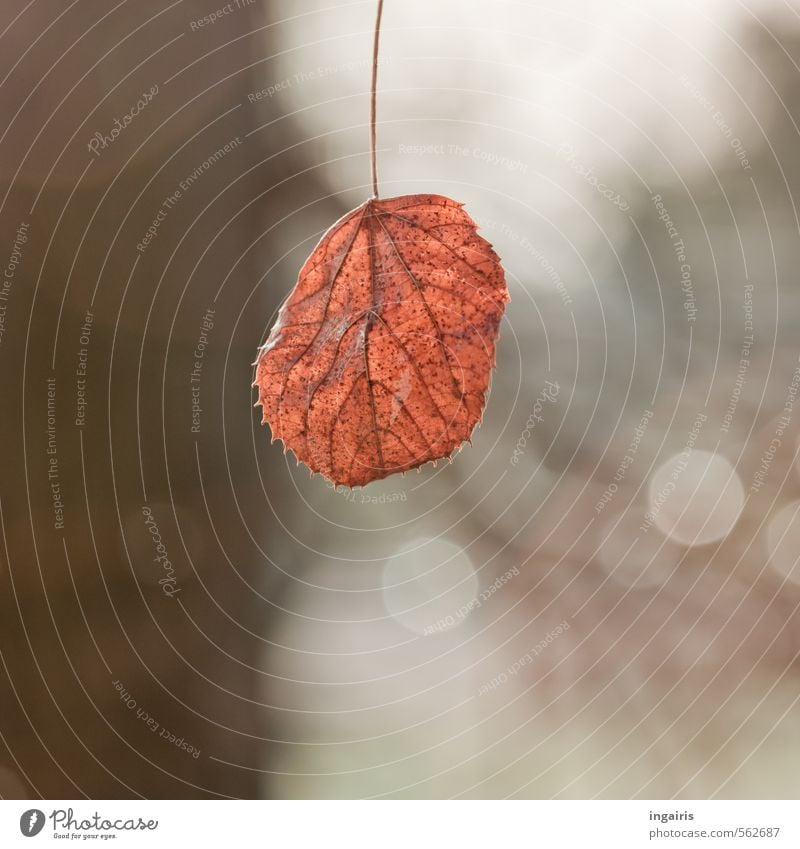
x: 380, y: 358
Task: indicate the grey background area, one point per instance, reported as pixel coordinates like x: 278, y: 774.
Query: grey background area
x: 599, y: 597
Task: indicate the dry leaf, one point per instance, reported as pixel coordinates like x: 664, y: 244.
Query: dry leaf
x: 380, y: 358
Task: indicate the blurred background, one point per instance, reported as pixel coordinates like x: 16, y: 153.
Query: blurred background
x: 598, y: 598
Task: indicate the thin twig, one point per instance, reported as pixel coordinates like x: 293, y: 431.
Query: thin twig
x: 374, y: 102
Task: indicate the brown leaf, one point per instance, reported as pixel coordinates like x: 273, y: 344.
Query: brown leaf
x: 380, y: 358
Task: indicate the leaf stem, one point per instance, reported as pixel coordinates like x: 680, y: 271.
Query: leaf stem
x: 374, y: 102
